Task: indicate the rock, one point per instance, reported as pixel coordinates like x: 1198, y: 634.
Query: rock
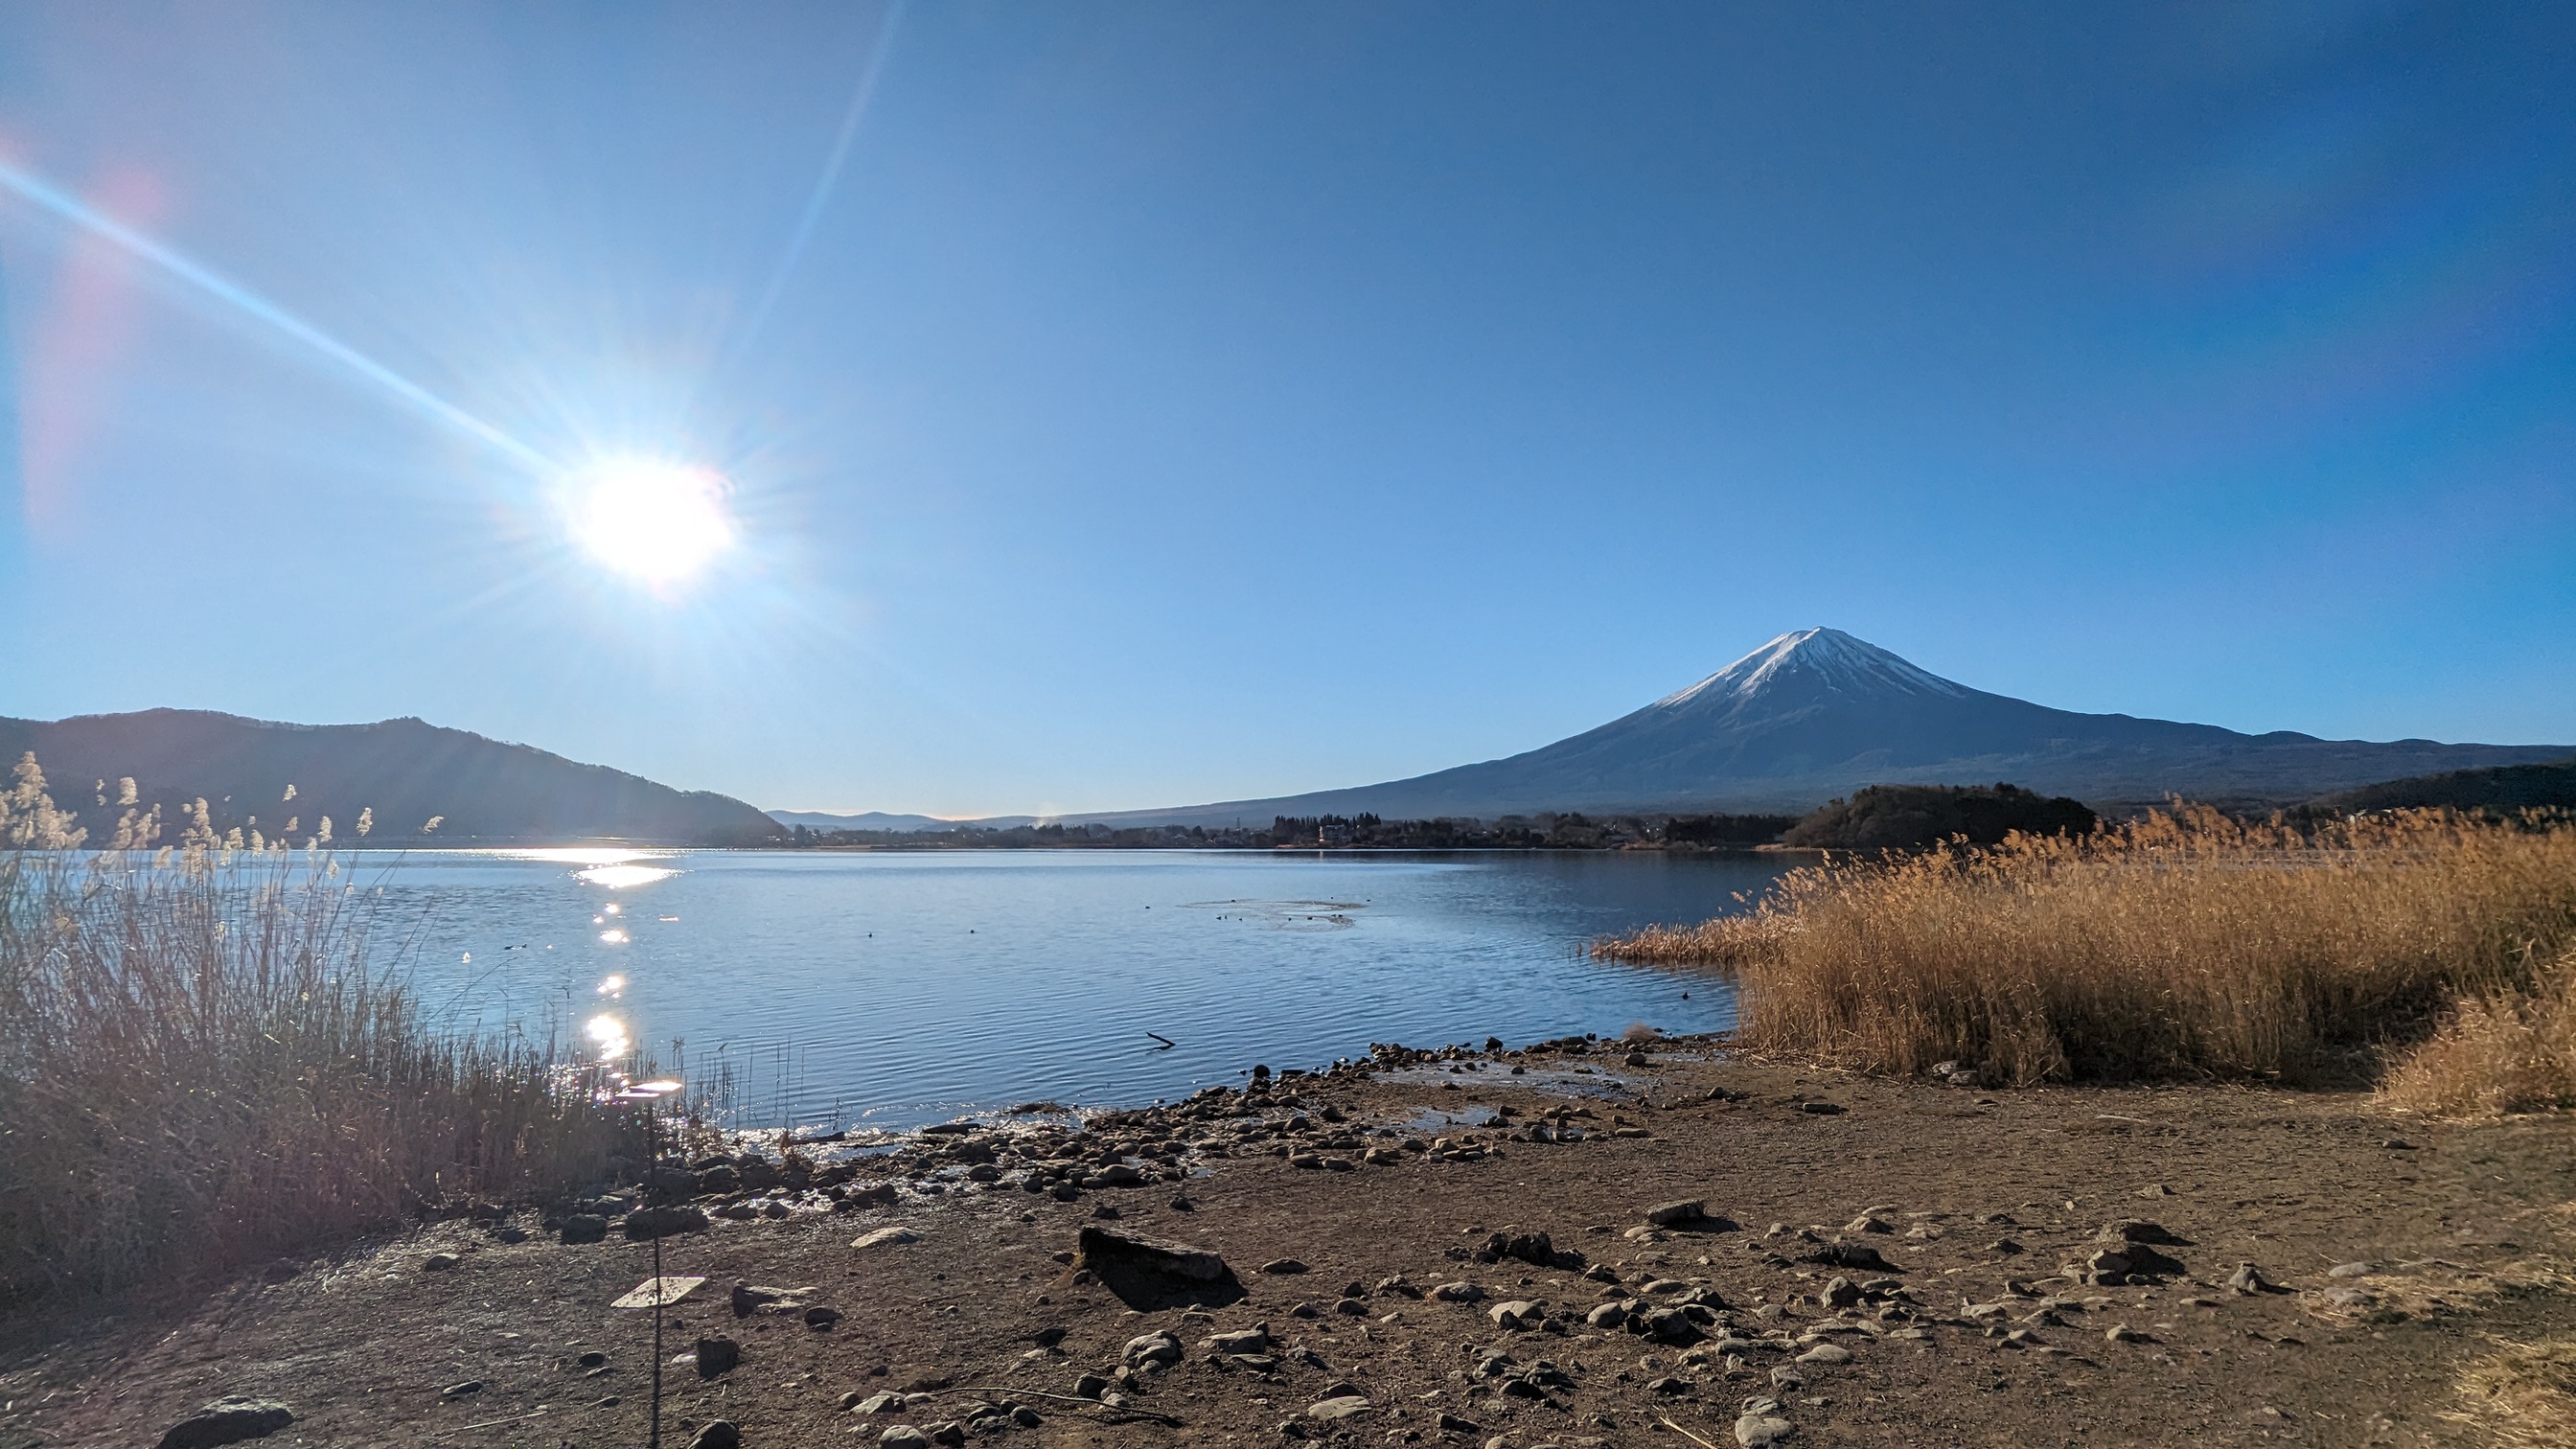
x: 583, y: 1228
x: 439, y: 1262
x: 1090, y: 1386
x: 1608, y: 1315
x: 1516, y: 1315
x: 1867, y: 1224
x: 721, y: 1434
x: 886, y: 1238
x: 1457, y: 1292
x: 821, y: 1318
x: 1821, y: 1109
x: 1343, y: 1407
x: 882, y: 1403
x: 2249, y: 1280
x: 2352, y: 1270
x: 1841, y: 1292
x: 1452, y: 1424
x: 904, y: 1436
x: 1255, y: 1339
x: 645, y: 1224
x: 1677, y: 1213
x: 2123, y: 1333
x: 947, y: 1432
x: 460, y: 1390
x: 1637, y: 1059
x: 1826, y: 1353
x: 1147, y: 1275
x: 1755, y: 1431
x: 1668, y: 1386
x: 1027, y: 1418
x: 717, y: 1356
x: 1851, y: 1255
x: 1351, y: 1307
x: 2133, y: 1230
x: 2005, y: 1246
x: 1156, y: 1347
x: 228, y: 1420
x: 1283, y: 1265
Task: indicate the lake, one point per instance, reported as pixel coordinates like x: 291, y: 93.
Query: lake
x: 891, y: 989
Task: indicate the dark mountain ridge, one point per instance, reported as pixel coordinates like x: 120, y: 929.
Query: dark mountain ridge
x: 1817, y: 714
x: 406, y: 770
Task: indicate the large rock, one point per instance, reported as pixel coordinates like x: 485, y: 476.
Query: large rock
x: 228, y: 1420
x: 662, y: 1222
x: 1148, y: 1275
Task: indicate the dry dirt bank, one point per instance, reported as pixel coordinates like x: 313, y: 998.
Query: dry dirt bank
x: 2467, y: 1233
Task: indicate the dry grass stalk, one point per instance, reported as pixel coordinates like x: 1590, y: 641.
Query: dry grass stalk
x: 2186, y: 942
x: 204, y: 1058
x: 2509, y: 1051
x: 2523, y: 1395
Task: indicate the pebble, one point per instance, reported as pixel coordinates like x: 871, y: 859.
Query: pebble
x: 886, y: 1237
x: 458, y: 1391
x: 228, y: 1420
x: 1755, y: 1431
x: 1457, y: 1292
x: 1342, y: 1407
x: 721, y: 1434
x: 904, y: 1436
x: 439, y: 1262
x: 717, y: 1356
x: 1826, y: 1353
x: 2352, y: 1270
x: 1518, y: 1314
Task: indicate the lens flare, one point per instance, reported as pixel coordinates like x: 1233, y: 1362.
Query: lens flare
x: 657, y: 522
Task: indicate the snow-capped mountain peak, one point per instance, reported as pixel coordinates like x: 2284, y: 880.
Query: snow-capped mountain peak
x: 1817, y: 659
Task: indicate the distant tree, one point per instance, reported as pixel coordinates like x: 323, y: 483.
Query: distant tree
x: 1900, y: 817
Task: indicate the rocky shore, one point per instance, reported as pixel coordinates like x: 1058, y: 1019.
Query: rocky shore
x: 1573, y: 1243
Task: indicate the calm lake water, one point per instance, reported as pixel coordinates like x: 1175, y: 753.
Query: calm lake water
x: 894, y: 989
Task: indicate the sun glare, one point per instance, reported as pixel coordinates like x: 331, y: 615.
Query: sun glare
x: 659, y: 522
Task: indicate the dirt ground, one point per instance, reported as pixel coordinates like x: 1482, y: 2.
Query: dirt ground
x: 2456, y: 1243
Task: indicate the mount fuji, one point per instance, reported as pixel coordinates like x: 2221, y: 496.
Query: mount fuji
x: 1818, y: 713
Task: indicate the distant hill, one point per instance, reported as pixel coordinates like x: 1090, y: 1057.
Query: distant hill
x: 882, y: 820
x: 2503, y: 789
x: 1897, y: 817
x: 407, y: 770
x: 1818, y: 714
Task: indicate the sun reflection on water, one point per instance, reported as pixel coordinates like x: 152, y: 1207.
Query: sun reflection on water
x: 609, y: 1035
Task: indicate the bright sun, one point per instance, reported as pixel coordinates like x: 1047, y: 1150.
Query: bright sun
x: 660, y: 522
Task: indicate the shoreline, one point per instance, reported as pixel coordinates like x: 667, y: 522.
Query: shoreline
x: 1330, y: 1181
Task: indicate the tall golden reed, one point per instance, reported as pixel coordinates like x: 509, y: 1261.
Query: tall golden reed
x: 2186, y: 942
x: 205, y: 1057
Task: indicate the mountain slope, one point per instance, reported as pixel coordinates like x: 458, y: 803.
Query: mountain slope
x: 405, y: 769
x: 883, y: 820
x: 1818, y: 713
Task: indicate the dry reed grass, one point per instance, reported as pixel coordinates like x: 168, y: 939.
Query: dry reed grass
x: 2524, y: 1394
x: 2508, y: 1051
x: 206, y: 1059
x: 2183, y: 943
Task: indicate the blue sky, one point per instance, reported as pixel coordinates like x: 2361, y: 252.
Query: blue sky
x: 1179, y: 402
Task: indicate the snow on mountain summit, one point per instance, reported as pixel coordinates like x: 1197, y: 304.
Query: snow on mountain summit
x: 1814, y: 660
